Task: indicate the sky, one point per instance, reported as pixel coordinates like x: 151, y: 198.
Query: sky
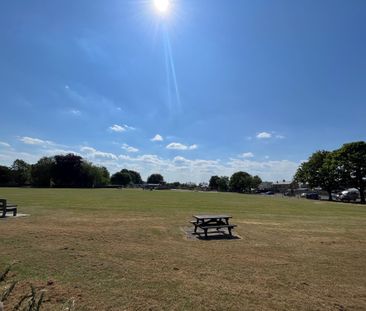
x: 209, y: 87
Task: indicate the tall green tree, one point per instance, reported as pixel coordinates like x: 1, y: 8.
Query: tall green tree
x: 320, y: 170
x: 6, y: 176
x: 240, y: 182
x: 135, y: 176
x: 223, y: 184
x: 41, y: 172
x: 155, y: 179
x: 67, y: 171
x: 21, y: 171
x: 214, y: 182
x: 256, y: 181
x: 351, y: 159
x: 121, y: 178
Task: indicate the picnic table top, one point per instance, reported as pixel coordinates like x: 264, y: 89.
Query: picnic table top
x: 211, y: 216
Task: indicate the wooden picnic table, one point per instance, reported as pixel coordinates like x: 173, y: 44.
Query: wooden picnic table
x: 6, y: 207
x: 217, y: 222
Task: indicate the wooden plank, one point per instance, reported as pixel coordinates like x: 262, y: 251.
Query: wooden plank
x: 202, y: 217
x: 217, y: 226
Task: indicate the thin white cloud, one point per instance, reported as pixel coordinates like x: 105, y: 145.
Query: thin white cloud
x: 4, y: 144
x: 58, y: 151
x: 121, y: 128
x: 267, y: 170
x: 75, y: 112
x: 93, y: 153
x: 129, y: 148
x: 35, y: 141
x: 247, y: 155
x: 127, y: 127
x: 117, y: 128
x: 157, y: 137
x: 264, y: 135
x: 179, y: 146
x: 280, y: 137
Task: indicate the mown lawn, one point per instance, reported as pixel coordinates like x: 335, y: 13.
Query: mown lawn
x: 113, y: 249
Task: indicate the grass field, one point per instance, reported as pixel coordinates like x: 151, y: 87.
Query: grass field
x: 113, y: 249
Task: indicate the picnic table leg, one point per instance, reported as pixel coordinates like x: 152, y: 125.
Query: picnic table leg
x: 14, y: 212
x: 195, y: 228
x: 229, y: 228
x: 205, y: 232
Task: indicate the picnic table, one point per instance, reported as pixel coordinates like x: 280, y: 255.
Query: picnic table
x: 6, y: 207
x: 217, y: 222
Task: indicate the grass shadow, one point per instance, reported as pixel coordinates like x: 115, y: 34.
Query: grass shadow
x: 212, y: 236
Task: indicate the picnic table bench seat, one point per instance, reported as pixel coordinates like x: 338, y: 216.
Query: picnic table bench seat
x: 212, y: 222
x: 6, y: 207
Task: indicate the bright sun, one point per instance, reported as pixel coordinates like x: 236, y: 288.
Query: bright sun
x: 162, y: 6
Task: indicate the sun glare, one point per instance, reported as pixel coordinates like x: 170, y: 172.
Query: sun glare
x: 162, y: 6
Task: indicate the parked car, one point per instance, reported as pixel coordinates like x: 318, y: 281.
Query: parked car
x: 269, y: 193
x: 348, y: 195
x: 312, y: 196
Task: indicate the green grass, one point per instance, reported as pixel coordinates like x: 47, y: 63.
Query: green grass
x: 126, y: 250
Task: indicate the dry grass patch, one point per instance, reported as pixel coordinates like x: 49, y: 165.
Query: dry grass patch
x: 125, y: 250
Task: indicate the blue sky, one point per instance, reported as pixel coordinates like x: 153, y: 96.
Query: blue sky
x: 221, y: 85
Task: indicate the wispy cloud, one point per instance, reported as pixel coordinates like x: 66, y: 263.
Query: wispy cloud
x: 75, y: 112
x: 129, y: 148
x: 4, y: 144
x: 93, y: 153
x: 267, y: 170
x: 157, y: 137
x: 179, y: 146
x: 264, y: 135
x: 269, y: 135
x: 121, y: 128
x: 247, y: 155
x: 35, y: 141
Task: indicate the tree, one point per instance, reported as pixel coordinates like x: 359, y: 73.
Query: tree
x: 103, y: 177
x: 135, y: 176
x: 240, y: 182
x: 256, y: 181
x: 351, y: 159
x: 223, y: 184
x: 21, y: 172
x: 214, y: 182
x: 67, y: 171
x: 5, y: 176
x: 121, y: 178
x: 90, y: 175
x: 41, y: 172
x: 320, y: 171
x: 155, y: 179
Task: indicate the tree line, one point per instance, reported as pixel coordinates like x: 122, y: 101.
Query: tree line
x: 68, y: 171
x: 338, y: 169
x: 331, y: 170
x: 73, y: 171
x: 238, y: 182
x: 58, y: 171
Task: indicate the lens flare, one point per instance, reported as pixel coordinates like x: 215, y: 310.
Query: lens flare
x: 162, y: 6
